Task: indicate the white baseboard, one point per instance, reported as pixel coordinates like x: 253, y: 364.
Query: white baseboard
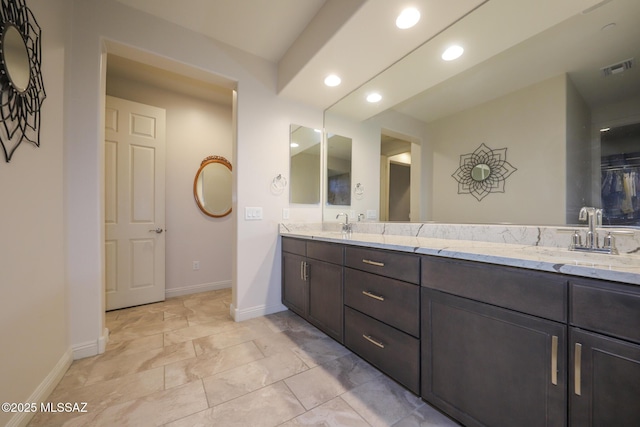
x: 43, y: 391
x: 252, y: 312
x: 91, y: 348
x: 194, y: 289
x: 103, y: 341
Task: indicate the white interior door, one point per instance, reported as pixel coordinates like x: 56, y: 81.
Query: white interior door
x: 134, y: 193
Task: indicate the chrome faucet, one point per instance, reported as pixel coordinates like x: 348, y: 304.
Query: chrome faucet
x: 593, y: 217
x: 589, y: 214
x: 346, y: 227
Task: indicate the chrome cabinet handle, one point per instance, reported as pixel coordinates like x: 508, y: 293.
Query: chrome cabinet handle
x: 157, y: 230
x: 372, y: 341
x: 304, y: 271
x: 577, y: 369
x: 377, y: 264
x: 554, y: 360
x: 374, y: 296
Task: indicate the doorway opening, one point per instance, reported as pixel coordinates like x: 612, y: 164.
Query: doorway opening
x: 200, y: 123
x: 620, y: 174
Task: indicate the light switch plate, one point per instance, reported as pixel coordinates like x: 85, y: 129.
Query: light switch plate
x: 371, y: 214
x: 285, y: 213
x: 252, y: 213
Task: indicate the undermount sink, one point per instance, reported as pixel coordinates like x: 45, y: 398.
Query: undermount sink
x: 590, y: 259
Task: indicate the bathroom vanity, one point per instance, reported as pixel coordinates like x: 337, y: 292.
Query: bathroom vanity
x: 492, y: 334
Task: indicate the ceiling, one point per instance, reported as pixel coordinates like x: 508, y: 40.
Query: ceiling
x: 511, y: 45
x: 309, y: 39
x: 358, y: 39
x: 580, y: 46
x: 265, y: 28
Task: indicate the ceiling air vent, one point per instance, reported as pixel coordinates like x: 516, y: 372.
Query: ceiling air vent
x: 618, y: 68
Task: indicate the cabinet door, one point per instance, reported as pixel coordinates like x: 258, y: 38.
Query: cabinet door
x: 325, y: 298
x: 488, y: 366
x: 604, y: 381
x: 295, y: 293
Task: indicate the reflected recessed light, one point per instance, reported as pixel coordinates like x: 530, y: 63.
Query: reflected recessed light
x: 408, y: 18
x: 453, y: 52
x: 605, y: 129
x: 294, y: 145
x: 317, y: 130
x: 608, y: 26
x: 374, y: 97
x: 332, y: 80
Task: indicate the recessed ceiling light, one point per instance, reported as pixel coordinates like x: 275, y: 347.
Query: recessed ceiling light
x: 605, y: 129
x: 294, y: 145
x: 332, y: 80
x: 374, y: 97
x: 408, y: 18
x: 452, y: 52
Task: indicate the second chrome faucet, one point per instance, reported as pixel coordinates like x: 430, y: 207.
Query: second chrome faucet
x: 346, y: 227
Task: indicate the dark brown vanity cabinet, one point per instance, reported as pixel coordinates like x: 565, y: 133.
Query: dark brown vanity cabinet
x: 312, y: 283
x: 490, y: 345
x: 494, y: 344
x: 382, y: 311
x: 604, y: 354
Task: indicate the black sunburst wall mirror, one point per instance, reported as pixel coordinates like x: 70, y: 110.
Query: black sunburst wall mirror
x: 21, y: 88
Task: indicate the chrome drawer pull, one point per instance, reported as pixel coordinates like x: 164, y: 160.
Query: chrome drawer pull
x: 370, y: 295
x: 372, y: 341
x: 554, y: 360
x: 577, y: 369
x: 377, y: 264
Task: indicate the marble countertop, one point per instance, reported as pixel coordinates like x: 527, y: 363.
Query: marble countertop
x: 620, y: 268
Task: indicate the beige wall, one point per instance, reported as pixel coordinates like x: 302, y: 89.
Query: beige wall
x: 33, y: 292
x: 531, y: 124
x: 195, y: 129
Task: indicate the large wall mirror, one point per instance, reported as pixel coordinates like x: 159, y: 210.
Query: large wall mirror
x: 338, y: 170
x: 304, y: 164
x: 541, y: 80
x: 212, y: 187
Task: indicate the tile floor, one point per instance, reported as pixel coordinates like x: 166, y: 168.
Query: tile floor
x: 184, y: 362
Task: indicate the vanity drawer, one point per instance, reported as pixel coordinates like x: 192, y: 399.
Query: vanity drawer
x: 527, y: 291
x: 294, y: 246
x: 606, y: 307
x: 390, y: 264
x: 393, y: 352
x: 323, y: 251
x: 391, y: 301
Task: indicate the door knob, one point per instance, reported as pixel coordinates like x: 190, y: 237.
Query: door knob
x: 157, y: 230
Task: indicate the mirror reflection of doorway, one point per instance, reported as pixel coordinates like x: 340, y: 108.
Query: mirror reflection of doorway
x: 620, y: 179
x: 395, y: 179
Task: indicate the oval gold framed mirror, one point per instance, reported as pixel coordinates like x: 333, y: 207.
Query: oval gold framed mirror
x: 212, y: 187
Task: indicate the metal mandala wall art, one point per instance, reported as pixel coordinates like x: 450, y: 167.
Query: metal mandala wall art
x: 483, y: 172
x: 21, y: 88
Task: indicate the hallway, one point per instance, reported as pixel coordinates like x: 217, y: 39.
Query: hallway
x: 185, y: 362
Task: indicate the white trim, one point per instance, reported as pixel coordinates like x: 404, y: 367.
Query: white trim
x: 194, y: 289
x: 91, y: 348
x: 43, y: 391
x: 252, y: 312
x: 103, y: 341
